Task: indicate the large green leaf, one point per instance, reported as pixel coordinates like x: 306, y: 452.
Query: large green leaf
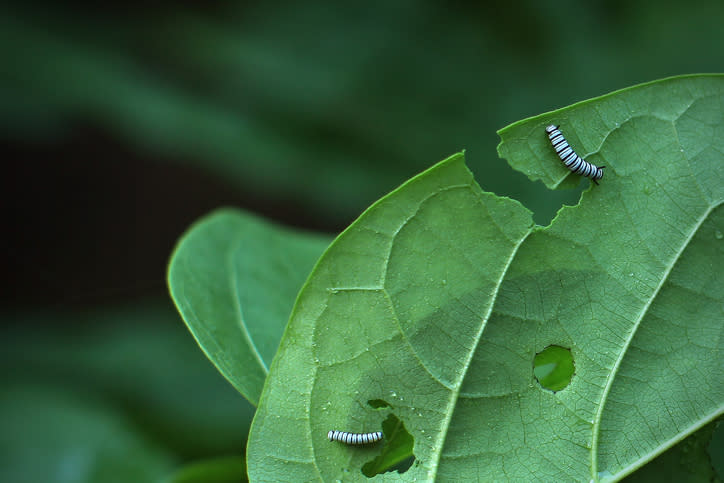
x: 234, y: 278
x: 432, y: 306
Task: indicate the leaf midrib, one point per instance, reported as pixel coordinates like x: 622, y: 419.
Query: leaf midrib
x: 234, y: 288
x: 455, y: 392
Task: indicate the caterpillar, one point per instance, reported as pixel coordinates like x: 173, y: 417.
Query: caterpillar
x: 572, y: 161
x: 354, y: 438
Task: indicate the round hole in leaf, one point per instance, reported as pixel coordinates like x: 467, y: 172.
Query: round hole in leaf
x: 553, y: 367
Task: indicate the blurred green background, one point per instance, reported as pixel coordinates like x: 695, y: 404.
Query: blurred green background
x: 123, y: 123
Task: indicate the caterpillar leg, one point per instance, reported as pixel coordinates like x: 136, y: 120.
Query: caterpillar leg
x: 600, y: 167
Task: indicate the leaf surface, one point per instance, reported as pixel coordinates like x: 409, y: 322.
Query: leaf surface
x: 438, y: 298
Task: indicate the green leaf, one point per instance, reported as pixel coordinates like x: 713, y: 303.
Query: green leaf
x: 430, y: 254
x: 233, y: 279
x: 433, y: 305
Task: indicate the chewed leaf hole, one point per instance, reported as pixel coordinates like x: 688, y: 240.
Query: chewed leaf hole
x: 378, y: 403
x: 396, y: 454
x: 553, y: 367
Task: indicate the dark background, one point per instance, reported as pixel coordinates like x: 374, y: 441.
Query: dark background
x: 122, y: 125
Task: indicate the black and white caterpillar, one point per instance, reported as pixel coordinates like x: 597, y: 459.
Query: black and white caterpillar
x: 354, y: 438
x: 572, y: 161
